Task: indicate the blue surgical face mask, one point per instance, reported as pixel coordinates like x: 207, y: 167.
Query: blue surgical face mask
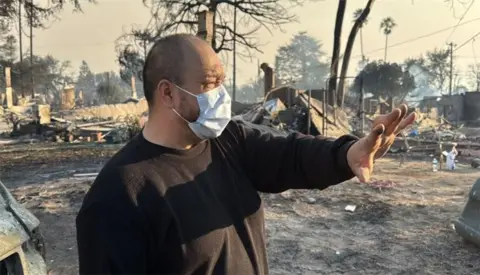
x: 215, y: 113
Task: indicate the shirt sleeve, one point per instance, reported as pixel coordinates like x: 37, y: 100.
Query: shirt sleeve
x: 278, y: 163
x: 109, y: 242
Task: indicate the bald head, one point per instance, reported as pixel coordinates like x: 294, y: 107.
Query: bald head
x: 178, y: 68
x: 179, y: 59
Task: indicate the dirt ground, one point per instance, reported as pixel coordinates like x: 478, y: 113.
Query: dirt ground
x: 405, y: 229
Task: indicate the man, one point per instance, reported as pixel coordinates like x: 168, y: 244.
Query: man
x: 181, y: 198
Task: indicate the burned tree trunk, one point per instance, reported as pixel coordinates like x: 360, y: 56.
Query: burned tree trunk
x: 332, y: 82
x: 348, y: 52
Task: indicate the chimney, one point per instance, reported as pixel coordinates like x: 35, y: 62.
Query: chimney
x: 80, y: 98
x: 268, y: 77
x: 205, y: 25
x: 134, y: 88
x: 67, y: 98
x: 8, y: 92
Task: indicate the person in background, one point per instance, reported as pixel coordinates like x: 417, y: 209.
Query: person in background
x: 182, y: 197
x: 451, y: 158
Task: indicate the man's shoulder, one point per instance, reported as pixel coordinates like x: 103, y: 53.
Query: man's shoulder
x: 131, y: 153
x: 128, y: 163
x: 120, y: 178
x: 232, y: 133
x: 241, y: 129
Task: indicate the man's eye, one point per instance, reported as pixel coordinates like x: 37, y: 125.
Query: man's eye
x: 209, y: 86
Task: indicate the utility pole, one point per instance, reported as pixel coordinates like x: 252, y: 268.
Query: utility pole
x: 234, y: 78
x: 31, y: 50
x: 144, y: 43
x: 20, y: 44
x: 259, y: 73
x: 144, y: 50
x: 451, y: 69
x: 478, y: 81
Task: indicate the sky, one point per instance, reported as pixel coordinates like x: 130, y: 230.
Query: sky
x: 91, y: 35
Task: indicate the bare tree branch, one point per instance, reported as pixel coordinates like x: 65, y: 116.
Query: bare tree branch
x: 173, y: 16
x: 39, y: 13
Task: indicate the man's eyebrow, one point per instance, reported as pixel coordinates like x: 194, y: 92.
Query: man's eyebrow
x: 216, y: 74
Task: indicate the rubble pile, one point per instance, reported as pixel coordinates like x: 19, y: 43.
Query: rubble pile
x: 281, y: 113
x: 105, y: 123
x: 109, y: 111
x: 436, y: 137
x: 274, y: 114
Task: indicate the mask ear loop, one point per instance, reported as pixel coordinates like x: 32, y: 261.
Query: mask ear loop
x: 175, y: 111
x: 183, y: 90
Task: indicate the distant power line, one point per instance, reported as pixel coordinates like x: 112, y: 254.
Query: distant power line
x: 460, y: 21
x: 422, y: 36
x: 465, y: 57
x: 457, y: 56
x: 465, y: 43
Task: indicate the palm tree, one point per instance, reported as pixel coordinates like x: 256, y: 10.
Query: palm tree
x: 356, y: 15
x: 387, y: 25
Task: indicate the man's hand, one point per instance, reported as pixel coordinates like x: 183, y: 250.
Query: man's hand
x: 362, y: 153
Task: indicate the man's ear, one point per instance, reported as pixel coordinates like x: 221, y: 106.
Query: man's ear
x: 164, y: 93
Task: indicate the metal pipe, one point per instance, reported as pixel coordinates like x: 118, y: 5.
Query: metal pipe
x: 31, y: 50
x: 309, y: 118
x: 324, y: 107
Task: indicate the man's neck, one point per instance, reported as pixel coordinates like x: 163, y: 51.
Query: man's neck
x: 175, y: 137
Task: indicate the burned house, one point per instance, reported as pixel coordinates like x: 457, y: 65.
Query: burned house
x: 460, y: 107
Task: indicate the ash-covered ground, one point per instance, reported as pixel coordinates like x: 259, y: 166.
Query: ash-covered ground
x: 404, y: 229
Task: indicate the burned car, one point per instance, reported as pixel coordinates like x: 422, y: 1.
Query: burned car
x: 22, y: 248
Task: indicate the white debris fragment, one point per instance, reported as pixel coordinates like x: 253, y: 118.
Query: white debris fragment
x: 350, y: 208
x: 311, y: 200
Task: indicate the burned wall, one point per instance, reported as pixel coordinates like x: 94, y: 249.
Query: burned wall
x: 471, y: 110
x: 457, y: 110
x: 317, y: 94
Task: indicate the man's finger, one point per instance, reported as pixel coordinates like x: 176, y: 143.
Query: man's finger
x: 406, y: 122
x: 388, y: 119
x: 374, y: 139
x: 404, y: 109
x: 392, y: 128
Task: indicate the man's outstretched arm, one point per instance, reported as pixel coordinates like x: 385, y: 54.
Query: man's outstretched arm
x: 109, y: 243
x: 278, y: 163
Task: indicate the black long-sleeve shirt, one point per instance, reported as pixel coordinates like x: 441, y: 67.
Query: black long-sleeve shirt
x: 156, y: 210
